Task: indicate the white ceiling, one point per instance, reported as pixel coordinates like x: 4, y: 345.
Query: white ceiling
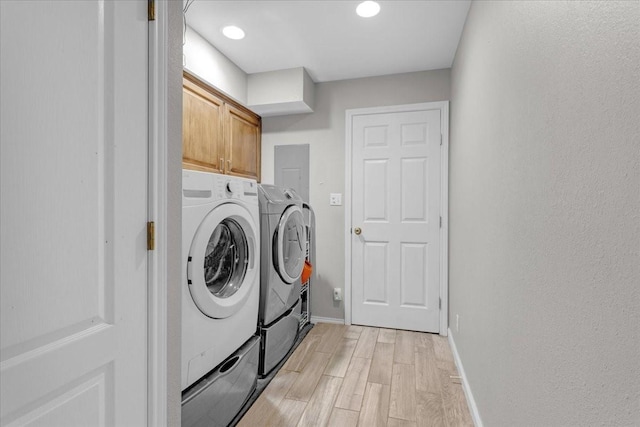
x: 329, y: 39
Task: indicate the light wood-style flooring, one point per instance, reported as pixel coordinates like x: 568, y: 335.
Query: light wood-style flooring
x: 361, y: 376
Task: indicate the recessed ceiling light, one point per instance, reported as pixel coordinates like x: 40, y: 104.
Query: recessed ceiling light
x: 367, y: 9
x: 233, y: 32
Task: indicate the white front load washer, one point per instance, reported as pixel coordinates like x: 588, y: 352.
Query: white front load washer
x: 221, y: 269
x: 284, y: 242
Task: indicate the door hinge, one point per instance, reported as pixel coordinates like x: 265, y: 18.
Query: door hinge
x: 151, y: 236
x: 439, y: 303
x: 151, y: 10
x: 440, y: 222
x: 440, y: 139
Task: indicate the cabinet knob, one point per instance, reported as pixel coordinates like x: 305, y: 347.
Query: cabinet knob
x: 221, y: 164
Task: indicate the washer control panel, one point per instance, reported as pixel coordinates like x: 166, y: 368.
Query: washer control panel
x: 236, y: 188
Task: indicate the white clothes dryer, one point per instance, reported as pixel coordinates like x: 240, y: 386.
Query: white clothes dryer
x: 284, y: 242
x: 221, y: 269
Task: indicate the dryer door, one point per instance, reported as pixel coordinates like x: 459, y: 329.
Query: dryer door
x: 222, y: 267
x: 290, y: 245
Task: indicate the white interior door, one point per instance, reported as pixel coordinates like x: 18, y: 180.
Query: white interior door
x: 395, y: 265
x: 73, y: 213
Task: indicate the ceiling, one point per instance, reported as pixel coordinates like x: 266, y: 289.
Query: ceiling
x: 329, y: 39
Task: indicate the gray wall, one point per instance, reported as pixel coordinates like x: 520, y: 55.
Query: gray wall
x: 324, y: 131
x: 545, y: 211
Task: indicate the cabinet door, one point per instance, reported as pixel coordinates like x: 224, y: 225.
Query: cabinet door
x: 242, y: 143
x: 202, y: 129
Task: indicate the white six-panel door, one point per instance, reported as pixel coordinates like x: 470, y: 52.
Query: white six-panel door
x: 73, y: 213
x: 395, y: 206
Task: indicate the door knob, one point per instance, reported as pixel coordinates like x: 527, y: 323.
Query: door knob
x: 357, y: 230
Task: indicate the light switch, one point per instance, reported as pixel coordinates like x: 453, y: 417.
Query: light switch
x: 335, y: 199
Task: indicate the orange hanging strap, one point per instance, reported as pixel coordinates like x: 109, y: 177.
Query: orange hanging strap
x: 306, y: 272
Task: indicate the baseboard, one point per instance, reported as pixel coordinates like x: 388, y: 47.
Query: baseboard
x: 473, y: 408
x: 316, y: 319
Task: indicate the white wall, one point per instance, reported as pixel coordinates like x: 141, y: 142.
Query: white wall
x: 324, y: 131
x: 545, y: 211
x: 281, y: 92
x: 206, y: 62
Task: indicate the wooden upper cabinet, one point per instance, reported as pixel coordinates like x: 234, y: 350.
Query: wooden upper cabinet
x: 242, y: 143
x: 218, y: 134
x: 202, y: 129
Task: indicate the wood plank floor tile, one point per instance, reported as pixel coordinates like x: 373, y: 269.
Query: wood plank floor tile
x: 427, y: 375
x: 301, y: 355
x: 343, y: 418
x: 375, y: 406
x: 454, y: 401
x: 288, y: 414
x: 354, y: 384
x: 387, y: 336
x: 331, y: 339
x: 382, y: 364
x: 340, y: 360
x: 366, y: 343
x: 444, y: 356
x: 424, y: 340
x: 261, y: 408
x: 430, y: 410
x: 280, y: 385
x: 404, y: 347
x: 364, y: 375
x: 268, y: 402
x: 320, y: 405
x: 394, y: 422
x: 403, y: 392
x: 353, y: 332
x: 305, y: 384
x: 320, y: 328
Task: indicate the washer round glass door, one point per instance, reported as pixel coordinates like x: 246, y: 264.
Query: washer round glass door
x: 222, y: 267
x: 290, y: 244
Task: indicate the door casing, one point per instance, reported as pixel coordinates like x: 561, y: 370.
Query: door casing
x: 443, y: 106
x: 164, y: 209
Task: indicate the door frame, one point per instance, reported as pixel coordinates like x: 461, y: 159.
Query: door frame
x: 443, y: 106
x: 161, y: 208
